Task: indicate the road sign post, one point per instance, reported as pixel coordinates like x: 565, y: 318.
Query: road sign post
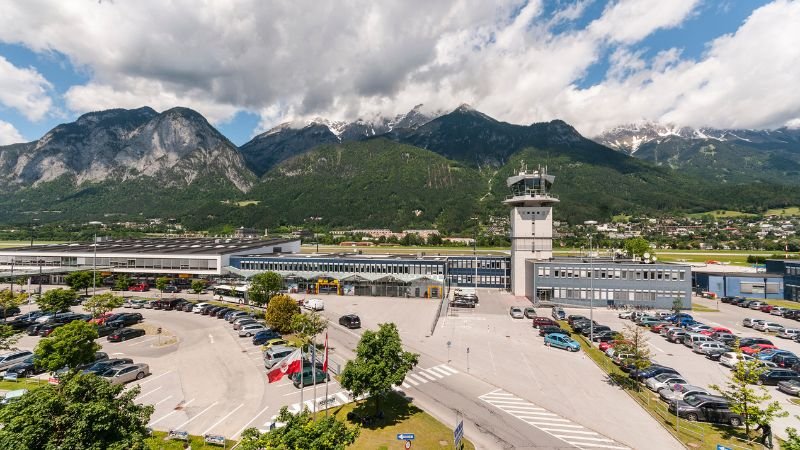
x: 405, y: 437
x: 458, y: 434
x: 448, y: 350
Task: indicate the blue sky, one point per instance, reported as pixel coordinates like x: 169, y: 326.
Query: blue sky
x: 595, y: 64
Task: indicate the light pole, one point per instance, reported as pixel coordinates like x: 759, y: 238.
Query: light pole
x: 41, y: 261
x: 475, y: 252
x: 12, y: 278
x: 591, y: 294
x: 94, y: 268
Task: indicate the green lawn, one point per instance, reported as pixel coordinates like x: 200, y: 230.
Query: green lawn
x: 702, y: 308
x: 722, y: 213
x: 784, y: 303
x: 158, y: 442
x: 401, y: 417
x: 23, y: 383
x: 789, y: 211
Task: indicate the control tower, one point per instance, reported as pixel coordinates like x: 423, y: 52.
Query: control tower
x: 531, y: 222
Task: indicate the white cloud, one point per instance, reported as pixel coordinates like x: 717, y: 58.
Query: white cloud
x: 9, y: 134
x: 25, y: 90
x: 358, y: 58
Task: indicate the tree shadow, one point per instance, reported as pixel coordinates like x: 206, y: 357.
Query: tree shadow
x: 737, y: 433
x: 394, y: 409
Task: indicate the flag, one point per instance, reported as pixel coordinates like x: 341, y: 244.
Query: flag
x: 288, y: 366
x: 325, y: 361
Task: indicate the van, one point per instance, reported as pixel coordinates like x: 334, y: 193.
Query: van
x: 695, y: 338
x: 198, y: 308
x: 314, y: 304
x: 274, y: 355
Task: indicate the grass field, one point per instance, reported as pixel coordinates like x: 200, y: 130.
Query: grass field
x: 401, y: 417
x: 722, y: 214
x: 21, y: 384
x: 158, y: 441
x: 788, y: 211
x: 7, y: 244
x: 702, y: 308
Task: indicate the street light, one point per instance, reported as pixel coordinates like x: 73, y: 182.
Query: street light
x: 591, y: 293
x: 475, y: 252
x: 41, y: 261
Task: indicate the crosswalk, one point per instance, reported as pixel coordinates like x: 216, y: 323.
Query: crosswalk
x: 422, y: 376
x: 549, y: 422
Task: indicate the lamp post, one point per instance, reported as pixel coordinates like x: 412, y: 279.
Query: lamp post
x: 94, y: 268
x: 12, y: 278
x: 41, y: 261
x: 475, y: 252
x: 591, y: 294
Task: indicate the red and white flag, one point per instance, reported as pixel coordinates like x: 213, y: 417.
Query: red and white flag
x: 288, y: 366
x: 325, y: 361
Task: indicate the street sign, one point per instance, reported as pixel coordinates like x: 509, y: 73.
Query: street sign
x: 405, y: 437
x: 408, y: 445
x: 458, y: 433
x: 722, y: 447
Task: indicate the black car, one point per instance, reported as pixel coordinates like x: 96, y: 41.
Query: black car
x: 104, y: 330
x: 123, y: 334
x: 25, y: 368
x: 726, y: 299
x: 547, y: 329
x: 716, y: 354
x: 209, y: 310
x: 606, y: 336
x: 745, y: 303
x: 171, y: 289
x: 725, y: 338
x: 188, y: 307
x: 774, y: 376
x: 33, y: 329
x: 125, y: 319
x: 8, y: 312
x: 574, y: 318
x: 46, y: 329
x: 651, y: 371
x: 785, y: 360
x: 462, y: 303
x: 792, y: 314
x: 706, y: 408
x: 101, y: 366
x: 597, y: 329
x: 747, y: 342
x: 263, y: 336
x: 579, y: 326
x: 221, y: 313
x: 350, y: 321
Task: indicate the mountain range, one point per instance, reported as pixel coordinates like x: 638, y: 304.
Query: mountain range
x: 416, y: 169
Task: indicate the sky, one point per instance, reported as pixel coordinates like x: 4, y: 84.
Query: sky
x: 249, y: 65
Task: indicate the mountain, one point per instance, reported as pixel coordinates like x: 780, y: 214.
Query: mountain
x: 293, y: 138
x: 739, y: 155
x: 104, y: 154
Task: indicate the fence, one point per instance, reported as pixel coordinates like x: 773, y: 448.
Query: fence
x: 442, y: 309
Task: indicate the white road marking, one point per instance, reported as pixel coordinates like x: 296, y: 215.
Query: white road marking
x: 148, y: 393
x: 220, y: 420
x: 248, y: 423
x: 162, y: 401
x: 433, y: 372
x: 419, y: 379
x: 561, y: 430
x: 440, y: 370
x: 342, y: 397
x: 154, y: 378
x: 409, y: 380
x: 651, y: 345
x: 170, y: 413
x: 117, y: 354
x: 430, y: 378
x: 449, y: 369
x: 198, y: 415
x: 406, y: 385
x: 211, y: 338
x: 583, y: 438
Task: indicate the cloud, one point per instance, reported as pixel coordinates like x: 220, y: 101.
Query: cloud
x: 356, y: 58
x: 9, y: 134
x: 25, y: 90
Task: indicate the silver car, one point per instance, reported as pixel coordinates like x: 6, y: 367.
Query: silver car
x: 768, y: 326
x: 251, y: 329
x: 516, y: 312
x: 679, y: 391
x: 9, y: 359
x: 789, y: 333
x: 126, y: 373
x: 663, y: 380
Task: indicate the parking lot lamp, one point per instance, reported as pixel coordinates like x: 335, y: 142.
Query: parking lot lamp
x: 475, y: 252
x: 41, y: 261
x: 591, y: 294
x: 94, y: 267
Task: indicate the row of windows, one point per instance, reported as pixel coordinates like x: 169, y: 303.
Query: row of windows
x: 793, y: 270
x: 609, y: 273
x: 616, y: 294
x: 130, y: 263
x: 482, y: 263
x: 792, y: 292
x: 494, y: 281
x: 343, y: 267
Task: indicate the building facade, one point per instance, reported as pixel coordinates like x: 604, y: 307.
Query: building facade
x: 789, y: 269
x: 739, y: 284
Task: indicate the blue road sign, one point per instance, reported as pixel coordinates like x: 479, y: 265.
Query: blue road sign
x: 458, y: 433
x: 722, y: 447
x: 405, y: 437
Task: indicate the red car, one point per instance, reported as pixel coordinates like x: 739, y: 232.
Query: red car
x: 101, y: 319
x: 543, y: 321
x: 611, y: 344
x: 657, y: 328
x: 755, y: 348
x: 141, y: 287
x: 767, y: 308
x: 715, y: 330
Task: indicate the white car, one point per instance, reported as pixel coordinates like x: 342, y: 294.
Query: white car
x: 756, y: 305
x: 731, y: 359
x: 198, y: 308
x: 516, y: 312
x: 789, y: 333
x: 663, y: 380
x: 778, y: 311
x: 625, y: 315
x: 251, y: 329
x: 768, y: 326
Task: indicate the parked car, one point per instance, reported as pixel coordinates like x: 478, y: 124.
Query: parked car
x: 777, y: 310
x: 579, y: 326
x: 676, y: 336
x: 461, y: 303
x: 275, y: 354
x: 663, y: 380
x: 768, y: 327
x: 238, y: 324
x: 679, y: 391
x: 126, y: 373
x: 314, y: 304
x: 728, y: 339
x: 102, y: 366
x: 748, y: 341
x: 125, y: 319
x: 123, y: 334
x: 547, y: 329
x: 596, y: 329
x: 574, y: 318
x: 558, y: 313
x: 351, y: 321
x: 699, y: 328
x: 726, y: 299
x: 46, y: 329
x: 756, y: 305
x: 11, y: 358
x: 705, y: 348
x: 755, y: 348
x: 604, y: 346
x: 25, y: 368
x: 251, y: 329
x: 264, y: 335
x: 233, y: 315
x: 714, y: 330
x: 562, y: 341
x: 791, y: 387
x: 275, y: 343
x: 540, y: 321
x: 774, y: 376
x: 171, y: 289
x: 307, y: 377
x: 198, y: 308
x: 139, y: 287
x: 529, y: 312
x: 516, y: 312
x: 606, y: 336
x: 651, y: 371
x: 705, y: 408
x: 768, y: 354
x: 785, y: 360
x: 789, y: 333
x: 792, y: 314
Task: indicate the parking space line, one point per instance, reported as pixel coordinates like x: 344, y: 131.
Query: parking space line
x: 560, y: 430
x: 584, y: 438
x: 154, y: 378
x: 170, y: 413
x: 162, y: 401
x: 195, y: 417
x: 220, y: 420
x: 251, y: 421
x: 148, y: 393
x: 591, y: 444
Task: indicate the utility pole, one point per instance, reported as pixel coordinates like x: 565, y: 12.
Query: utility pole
x: 12, y: 277
x: 475, y: 252
x: 591, y: 294
x: 94, y: 268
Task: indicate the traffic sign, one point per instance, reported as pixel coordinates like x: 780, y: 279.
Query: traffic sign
x: 408, y: 445
x: 405, y: 437
x: 722, y: 447
x: 458, y: 433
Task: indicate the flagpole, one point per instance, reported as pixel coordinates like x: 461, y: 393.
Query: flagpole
x: 302, y: 383
x: 327, y: 378
x: 314, y: 373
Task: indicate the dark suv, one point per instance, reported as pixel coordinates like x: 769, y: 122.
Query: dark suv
x: 125, y: 320
x: 350, y: 321
x: 776, y: 375
x: 706, y: 408
x: 123, y: 334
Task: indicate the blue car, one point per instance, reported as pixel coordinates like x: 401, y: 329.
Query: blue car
x: 263, y: 336
x: 677, y: 317
x: 768, y: 354
x: 563, y: 341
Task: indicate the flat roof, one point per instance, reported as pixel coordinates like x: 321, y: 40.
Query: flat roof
x: 348, y: 255
x: 213, y: 246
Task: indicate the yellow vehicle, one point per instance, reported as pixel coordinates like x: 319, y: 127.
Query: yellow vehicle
x: 274, y: 343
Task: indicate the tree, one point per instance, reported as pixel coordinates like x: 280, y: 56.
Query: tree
x: 792, y: 441
x: 56, y: 300
x: 636, y: 247
x: 280, y: 311
x: 198, y: 286
x: 8, y: 337
x: 69, y: 346
x: 161, y: 284
x: 745, y: 400
x: 100, y: 304
x: 380, y: 363
x: 122, y: 283
x: 306, y: 326
x: 80, y: 280
x: 677, y: 305
x: 635, y: 344
x: 264, y: 286
x: 301, y: 432
x: 10, y: 300
x: 81, y: 412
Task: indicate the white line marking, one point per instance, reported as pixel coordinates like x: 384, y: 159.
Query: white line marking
x: 220, y: 420
x: 590, y: 444
x: 342, y: 397
x: 162, y: 401
x: 559, y: 430
x: 211, y: 338
x: 148, y: 393
x: 291, y: 393
x: 171, y: 413
x: 154, y: 378
x: 430, y: 378
x: 248, y: 423
x: 531, y: 413
x: 449, y: 369
x: 195, y: 417
x: 662, y: 351
x: 549, y: 419
x: 409, y: 380
x: 499, y: 392
x: 117, y: 353
x: 560, y: 425
x: 434, y: 373
x: 581, y: 438
x: 418, y: 378
x: 440, y: 370
x: 406, y: 385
